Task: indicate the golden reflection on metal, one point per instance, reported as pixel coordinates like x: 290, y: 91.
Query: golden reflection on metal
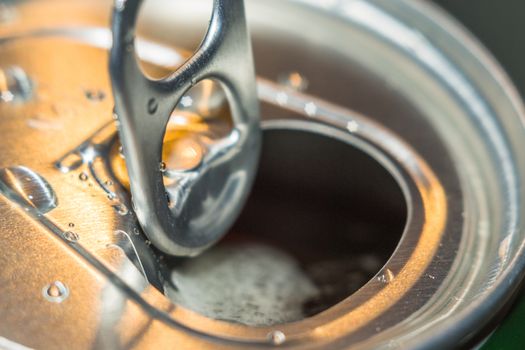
x: 183, y: 153
x: 186, y: 132
x: 182, y: 149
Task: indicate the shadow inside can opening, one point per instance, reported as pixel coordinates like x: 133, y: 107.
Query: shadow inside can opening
x: 322, y: 219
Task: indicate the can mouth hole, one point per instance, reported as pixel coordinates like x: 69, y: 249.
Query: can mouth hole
x: 321, y: 221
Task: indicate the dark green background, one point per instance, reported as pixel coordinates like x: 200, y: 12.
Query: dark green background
x: 500, y: 25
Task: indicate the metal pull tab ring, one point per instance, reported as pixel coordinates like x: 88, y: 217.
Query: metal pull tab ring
x: 207, y: 199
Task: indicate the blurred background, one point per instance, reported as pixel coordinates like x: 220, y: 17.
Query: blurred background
x: 500, y: 25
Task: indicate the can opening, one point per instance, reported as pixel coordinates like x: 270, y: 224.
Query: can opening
x: 322, y: 220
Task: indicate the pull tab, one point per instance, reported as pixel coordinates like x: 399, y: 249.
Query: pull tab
x: 207, y: 199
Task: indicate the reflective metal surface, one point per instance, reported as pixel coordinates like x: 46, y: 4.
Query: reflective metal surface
x: 400, y: 84
x: 205, y: 200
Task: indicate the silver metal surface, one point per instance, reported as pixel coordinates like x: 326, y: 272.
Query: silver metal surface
x: 204, y: 201
x: 399, y: 84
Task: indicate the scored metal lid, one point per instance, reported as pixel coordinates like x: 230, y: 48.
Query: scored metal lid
x: 390, y: 169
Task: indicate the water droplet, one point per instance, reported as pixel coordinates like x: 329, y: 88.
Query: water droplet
x: 15, y: 85
x: 55, y: 292
x: 281, y: 98
x: 69, y: 162
x: 116, y: 119
x: 95, y: 95
x: 310, y: 109
x: 121, y: 152
x: 121, y: 209
x: 153, y: 106
x: 108, y: 183
x: 386, y: 277
x: 186, y: 101
x: 111, y: 196
x: 352, y: 126
x: 293, y: 80
x: 83, y: 176
x: 28, y: 189
x: 71, y: 236
x: 71, y: 224
x: 162, y: 167
x: 277, y: 337
x: 136, y: 231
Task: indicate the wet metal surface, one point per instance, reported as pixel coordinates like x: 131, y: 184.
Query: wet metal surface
x: 405, y: 91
